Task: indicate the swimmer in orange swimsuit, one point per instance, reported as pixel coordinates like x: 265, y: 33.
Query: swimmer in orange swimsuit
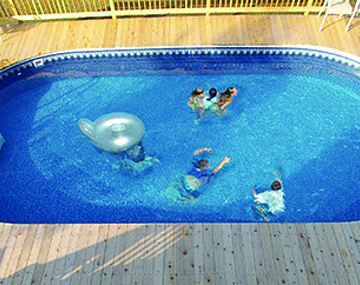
x: 225, y: 100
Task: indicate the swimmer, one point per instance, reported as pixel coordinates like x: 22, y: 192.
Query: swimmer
x: 211, y: 99
x: 225, y: 100
x: 208, y: 102
x: 136, y: 153
x: 136, y: 159
x: 274, y: 198
x: 196, y: 102
x: 200, y: 171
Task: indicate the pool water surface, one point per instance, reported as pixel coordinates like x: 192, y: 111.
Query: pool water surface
x: 294, y: 113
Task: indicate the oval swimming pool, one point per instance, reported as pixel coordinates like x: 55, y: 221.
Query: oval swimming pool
x: 296, y: 112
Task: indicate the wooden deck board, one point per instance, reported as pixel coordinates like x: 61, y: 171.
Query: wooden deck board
x: 344, y: 254
x: 34, y: 255
x: 351, y: 248
x: 59, y: 263
x: 249, y: 255
x: 320, y: 271
x: 236, y: 235
x: 278, y: 254
x: 304, y: 249
x: 179, y: 253
x: 52, y: 254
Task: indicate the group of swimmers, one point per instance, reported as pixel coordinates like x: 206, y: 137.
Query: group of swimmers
x: 268, y: 202
x: 214, y: 102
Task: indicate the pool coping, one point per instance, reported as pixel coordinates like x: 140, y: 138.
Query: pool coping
x: 329, y: 54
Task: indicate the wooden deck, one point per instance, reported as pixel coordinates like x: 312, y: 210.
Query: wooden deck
x: 179, y: 253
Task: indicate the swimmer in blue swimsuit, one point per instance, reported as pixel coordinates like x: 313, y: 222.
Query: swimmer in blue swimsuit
x: 200, y: 172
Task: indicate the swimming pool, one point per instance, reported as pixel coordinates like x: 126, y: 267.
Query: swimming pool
x: 297, y: 111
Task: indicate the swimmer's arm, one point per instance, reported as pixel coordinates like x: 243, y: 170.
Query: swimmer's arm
x: 225, y: 160
x: 254, y: 192
x: 208, y: 149
x: 277, y: 176
x: 189, y: 102
x: 226, y: 104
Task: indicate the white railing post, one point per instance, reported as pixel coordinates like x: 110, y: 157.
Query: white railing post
x: 208, y: 5
x: 112, y: 7
x: 308, y: 7
x: 13, y: 8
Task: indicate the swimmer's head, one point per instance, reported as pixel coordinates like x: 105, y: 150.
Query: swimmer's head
x: 276, y: 186
x: 232, y: 91
x: 197, y: 92
x: 203, y: 164
x: 212, y: 93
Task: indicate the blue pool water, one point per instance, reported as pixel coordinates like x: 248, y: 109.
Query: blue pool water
x: 296, y: 112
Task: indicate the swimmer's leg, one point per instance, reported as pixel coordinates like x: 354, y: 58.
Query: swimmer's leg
x: 261, y: 212
x: 221, y: 113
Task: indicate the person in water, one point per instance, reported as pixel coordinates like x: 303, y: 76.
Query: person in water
x: 273, y: 199
x: 135, y: 158
x: 225, y: 99
x: 211, y: 99
x: 200, y: 173
x: 208, y: 103
x: 196, y: 102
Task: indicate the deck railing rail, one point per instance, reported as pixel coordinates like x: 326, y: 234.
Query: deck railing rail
x: 65, y: 9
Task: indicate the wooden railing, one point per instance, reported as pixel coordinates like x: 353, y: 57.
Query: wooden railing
x: 64, y: 9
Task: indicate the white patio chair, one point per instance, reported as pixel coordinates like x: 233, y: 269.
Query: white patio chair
x: 338, y: 7
x: 355, y: 11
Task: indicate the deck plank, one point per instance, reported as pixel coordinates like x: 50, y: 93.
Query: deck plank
x: 61, y: 254
x: 304, y: 248
x: 52, y: 254
x: 297, y: 255
x: 351, y: 247
x: 344, y: 254
x: 238, y: 253
x: 169, y: 256
x: 269, y: 259
x: 335, y: 250
x: 10, y: 238
x: 7, y: 241
x: 17, y: 239
x: 290, y: 269
x: 99, y: 256
x: 258, y: 255
x: 35, y: 255
x: 43, y: 254
x: 159, y: 254
x: 132, y: 247
x: 229, y: 253
x: 250, y: 265
x: 317, y: 254
x: 109, y: 254
x: 19, y: 271
x: 74, y: 261
x: 179, y: 254
x: 117, y: 262
x: 143, y: 244
x: 198, y: 255
x: 149, y: 255
x: 188, y: 253
x: 218, y: 245
x: 327, y: 255
x: 209, y: 257
x: 278, y: 254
